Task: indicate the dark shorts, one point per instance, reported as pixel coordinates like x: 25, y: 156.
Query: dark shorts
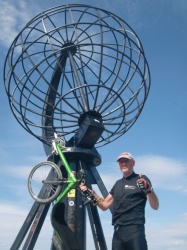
x: 129, y: 238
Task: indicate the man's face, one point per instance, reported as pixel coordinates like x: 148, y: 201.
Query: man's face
x: 126, y: 166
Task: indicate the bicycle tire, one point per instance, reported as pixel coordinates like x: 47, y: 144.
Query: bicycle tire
x: 42, y: 192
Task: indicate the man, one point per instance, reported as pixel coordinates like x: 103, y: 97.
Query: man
x: 128, y: 197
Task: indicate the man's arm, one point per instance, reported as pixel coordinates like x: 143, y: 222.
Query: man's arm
x: 153, y: 200
x: 145, y: 184
x: 103, y: 203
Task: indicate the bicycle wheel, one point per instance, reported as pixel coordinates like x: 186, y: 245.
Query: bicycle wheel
x: 41, y: 182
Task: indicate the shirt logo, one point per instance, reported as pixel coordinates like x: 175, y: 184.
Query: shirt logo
x: 129, y: 187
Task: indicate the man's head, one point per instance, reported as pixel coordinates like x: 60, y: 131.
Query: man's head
x: 125, y: 155
x: 126, y: 163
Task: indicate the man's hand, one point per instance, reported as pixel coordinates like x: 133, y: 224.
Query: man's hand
x: 142, y: 183
x: 83, y: 187
x: 88, y: 194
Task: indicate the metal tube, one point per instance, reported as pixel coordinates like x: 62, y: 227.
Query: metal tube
x: 78, y: 81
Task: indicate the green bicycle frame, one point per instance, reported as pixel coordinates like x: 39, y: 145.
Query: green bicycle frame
x: 71, y: 178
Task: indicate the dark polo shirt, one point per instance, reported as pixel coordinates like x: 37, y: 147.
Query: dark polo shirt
x: 129, y: 201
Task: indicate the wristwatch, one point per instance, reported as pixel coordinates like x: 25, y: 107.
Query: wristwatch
x: 150, y: 190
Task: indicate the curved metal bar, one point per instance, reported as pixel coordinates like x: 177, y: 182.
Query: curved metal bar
x: 70, y: 60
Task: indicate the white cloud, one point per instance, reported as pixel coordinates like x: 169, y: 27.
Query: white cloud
x: 164, y: 172
x: 18, y: 172
x: 13, y: 16
x: 12, y: 216
x: 168, y: 237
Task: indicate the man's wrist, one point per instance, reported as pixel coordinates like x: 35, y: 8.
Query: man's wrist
x: 149, y: 190
x: 97, y: 201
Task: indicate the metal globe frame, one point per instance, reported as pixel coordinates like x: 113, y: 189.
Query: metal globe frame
x: 73, y: 59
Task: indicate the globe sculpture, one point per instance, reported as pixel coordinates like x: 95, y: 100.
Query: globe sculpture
x: 72, y: 66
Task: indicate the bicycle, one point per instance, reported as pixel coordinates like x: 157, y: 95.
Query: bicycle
x: 45, y: 181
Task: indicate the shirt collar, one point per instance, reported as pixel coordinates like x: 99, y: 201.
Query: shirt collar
x: 129, y: 177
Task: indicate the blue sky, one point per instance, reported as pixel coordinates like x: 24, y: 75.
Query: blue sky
x: 158, y: 139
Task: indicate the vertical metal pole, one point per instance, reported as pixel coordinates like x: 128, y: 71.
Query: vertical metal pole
x: 81, y: 221
x: 36, y: 227
x: 75, y: 212
x: 37, y: 214
x: 97, y: 232
x: 78, y: 81
x: 25, y: 227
